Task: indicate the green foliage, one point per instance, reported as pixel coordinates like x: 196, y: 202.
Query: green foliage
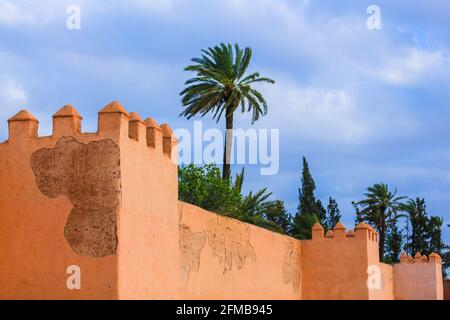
x: 321, y: 213
x: 446, y: 261
x: 379, y: 209
x: 310, y: 210
x: 333, y: 215
x: 434, y: 230
x: 423, y: 234
x: 253, y: 209
x: 394, y: 241
x: 302, y: 226
x: 307, y: 200
x: 204, y: 187
x: 435, y: 243
x: 308, y: 204
x: 277, y: 213
x: 418, y: 220
x: 220, y: 86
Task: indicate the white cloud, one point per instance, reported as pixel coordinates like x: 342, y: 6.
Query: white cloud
x: 12, y: 98
x: 9, y: 14
x: 415, y: 67
x: 11, y: 94
x: 319, y: 113
x: 330, y: 115
x: 28, y: 12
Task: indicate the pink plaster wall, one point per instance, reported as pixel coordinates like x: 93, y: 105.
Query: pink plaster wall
x: 386, y: 291
x: 236, y: 260
x: 418, y: 281
x: 335, y: 267
x: 34, y: 255
x: 148, y: 223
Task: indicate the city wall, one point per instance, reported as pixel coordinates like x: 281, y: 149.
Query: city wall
x: 103, y: 208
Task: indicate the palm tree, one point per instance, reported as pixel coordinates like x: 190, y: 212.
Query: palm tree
x: 435, y: 230
x: 303, y: 224
x: 378, y: 209
x: 221, y: 86
x: 417, y: 216
x: 411, y: 209
x: 255, y: 206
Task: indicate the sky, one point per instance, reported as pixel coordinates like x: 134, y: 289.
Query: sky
x: 362, y: 105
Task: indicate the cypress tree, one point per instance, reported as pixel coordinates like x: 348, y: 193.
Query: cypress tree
x: 333, y: 213
x: 419, y: 227
x: 321, y: 213
x: 310, y: 209
x: 307, y: 200
x: 394, y: 241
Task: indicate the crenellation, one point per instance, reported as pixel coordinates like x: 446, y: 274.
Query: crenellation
x: 435, y: 258
x: 170, y: 142
x: 66, y: 122
x: 351, y: 233
x: 362, y: 231
x: 154, y: 135
x: 339, y: 231
x: 22, y: 126
x: 418, y: 258
x: 113, y: 122
x: 404, y: 258
x: 317, y: 231
x: 373, y: 235
x: 137, y: 128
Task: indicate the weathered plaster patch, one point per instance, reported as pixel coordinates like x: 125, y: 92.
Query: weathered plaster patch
x: 89, y: 176
x: 291, y: 266
x: 230, y: 242
x: 191, y: 245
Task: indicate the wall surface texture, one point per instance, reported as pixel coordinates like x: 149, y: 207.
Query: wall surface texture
x: 106, y: 204
x: 222, y: 258
x: 418, y: 278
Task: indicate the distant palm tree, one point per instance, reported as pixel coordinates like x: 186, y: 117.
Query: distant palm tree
x: 378, y: 208
x: 416, y: 212
x: 221, y: 86
x: 410, y: 208
x: 435, y: 229
x: 254, y: 206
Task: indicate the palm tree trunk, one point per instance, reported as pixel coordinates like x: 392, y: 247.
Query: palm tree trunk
x: 407, y: 247
x: 228, y: 145
x: 382, y: 237
x: 413, y: 236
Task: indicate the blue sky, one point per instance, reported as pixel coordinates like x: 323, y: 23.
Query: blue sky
x: 363, y: 106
